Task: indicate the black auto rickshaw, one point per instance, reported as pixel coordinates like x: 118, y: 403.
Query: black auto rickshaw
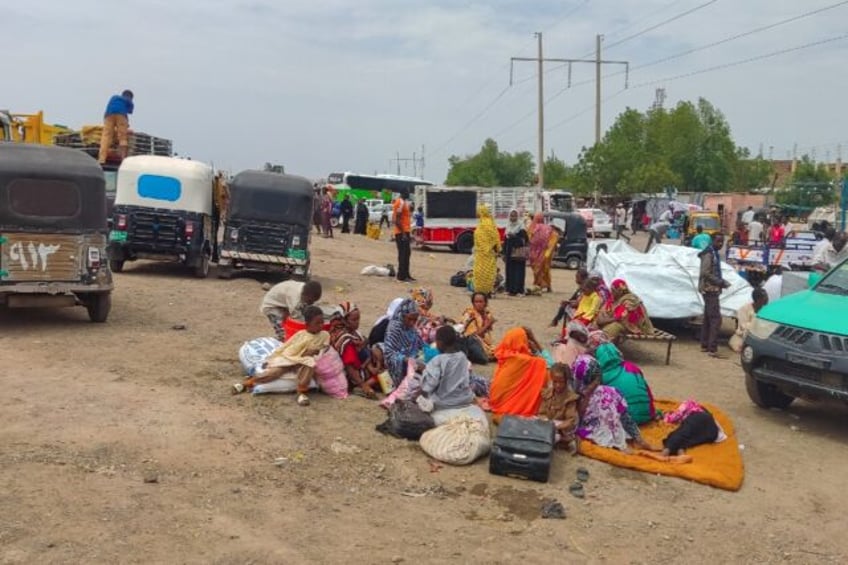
x: 573, y: 245
x: 267, y: 225
x: 53, y: 230
x: 164, y: 212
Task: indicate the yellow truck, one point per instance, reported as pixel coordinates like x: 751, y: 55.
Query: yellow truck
x: 29, y: 128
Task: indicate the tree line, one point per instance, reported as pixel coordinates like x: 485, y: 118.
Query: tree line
x: 688, y: 147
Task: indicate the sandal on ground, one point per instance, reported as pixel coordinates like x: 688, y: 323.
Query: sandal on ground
x: 716, y: 355
x: 302, y: 400
x: 237, y: 388
x: 576, y: 490
x: 582, y: 474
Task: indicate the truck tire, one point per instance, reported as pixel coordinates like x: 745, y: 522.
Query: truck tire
x: 98, y: 304
x: 116, y: 265
x: 334, y: 221
x: 465, y: 242
x: 766, y: 395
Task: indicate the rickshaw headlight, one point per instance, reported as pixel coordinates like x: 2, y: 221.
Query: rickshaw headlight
x: 234, y: 233
x: 296, y: 241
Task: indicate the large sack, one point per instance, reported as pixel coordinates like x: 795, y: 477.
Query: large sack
x: 330, y: 374
x: 461, y: 441
x: 284, y: 385
x: 472, y: 411
x: 254, y: 352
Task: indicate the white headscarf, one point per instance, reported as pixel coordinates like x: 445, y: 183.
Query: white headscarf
x: 390, y: 311
x: 512, y: 228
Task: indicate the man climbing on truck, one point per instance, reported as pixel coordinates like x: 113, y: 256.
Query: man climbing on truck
x: 116, y: 124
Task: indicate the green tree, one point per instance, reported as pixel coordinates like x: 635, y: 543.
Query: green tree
x: 558, y: 174
x: 808, y: 171
x: 751, y: 173
x: 491, y: 167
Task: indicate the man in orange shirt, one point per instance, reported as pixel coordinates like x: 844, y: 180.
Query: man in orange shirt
x: 402, y: 216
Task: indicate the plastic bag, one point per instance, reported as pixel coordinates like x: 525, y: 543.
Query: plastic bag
x: 330, y: 374
x: 461, y: 441
x: 254, y: 352
x: 407, y: 420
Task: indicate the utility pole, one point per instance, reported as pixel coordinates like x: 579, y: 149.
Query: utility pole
x: 541, y: 60
x: 406, y: 160
x: 541, y: 114
x: 598, y: 39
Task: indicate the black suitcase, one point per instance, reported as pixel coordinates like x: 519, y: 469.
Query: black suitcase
x: 523, y: 448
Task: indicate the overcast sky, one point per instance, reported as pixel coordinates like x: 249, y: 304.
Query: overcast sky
x: 333, y: 85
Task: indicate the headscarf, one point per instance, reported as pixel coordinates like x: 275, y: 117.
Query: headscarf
x: 423, y: 297
x: 486, y: 236
x: 512, y: 228
x: 596, y: 339
x: 540, y: 236
x: 577, y: 328
x: 584, y: 372
x: 514, y: 343
x: 390, y: 311
x: 602, y: 289
x: 628, y: 308
x: 341, y: 335
x: 401, y: 342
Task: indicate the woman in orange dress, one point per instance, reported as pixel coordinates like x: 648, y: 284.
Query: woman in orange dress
x: 520, y: 376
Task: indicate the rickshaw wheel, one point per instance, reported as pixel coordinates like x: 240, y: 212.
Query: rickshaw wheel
x: 116, y: 266
x: 201, y: 271
x: 573, y: 262
x: 98, y: 305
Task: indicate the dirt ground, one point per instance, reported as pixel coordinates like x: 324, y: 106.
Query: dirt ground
x: 121, y: 443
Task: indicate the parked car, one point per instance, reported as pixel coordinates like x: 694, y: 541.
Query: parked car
x: 601, y: 223
x: 376, y: 208
x: 798, y: 345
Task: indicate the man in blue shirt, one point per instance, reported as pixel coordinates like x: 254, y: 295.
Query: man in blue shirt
x: 116, y: 124
x: 702, y: 240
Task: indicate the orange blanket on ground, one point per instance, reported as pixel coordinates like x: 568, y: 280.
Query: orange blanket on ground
x: 715, y: 464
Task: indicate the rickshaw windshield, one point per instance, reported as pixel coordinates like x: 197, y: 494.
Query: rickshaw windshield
x: 270, y: 197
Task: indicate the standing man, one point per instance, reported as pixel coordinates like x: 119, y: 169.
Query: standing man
x: 346, y: 208
x: 755, y: 232
x: 402, y: 233
x: 116, y: 123
x: 710, y: 285
x: 620, y: 220
x: 702, y: 240
x: 748, y: 215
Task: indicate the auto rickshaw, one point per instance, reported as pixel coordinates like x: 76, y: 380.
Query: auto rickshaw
x: 163, y: 211
x: 710, y: 222
x: 267, y: 227
x: 53, y: 230
x: 573, y: 245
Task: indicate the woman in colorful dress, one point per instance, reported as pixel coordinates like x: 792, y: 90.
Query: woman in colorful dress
x: 626, y: 314
x: 628, y: 379
x: 353, y: 348
x: 402, y: 340
x: 543, y: 241
x: 487, y: 246
x: 604, y: 419
x: 478, y: 321
x: 519, y: 377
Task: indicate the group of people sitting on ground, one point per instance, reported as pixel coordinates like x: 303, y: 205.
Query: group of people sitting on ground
x: 590, y: 393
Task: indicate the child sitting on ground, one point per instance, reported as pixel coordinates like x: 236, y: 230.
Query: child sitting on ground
x: 446, y: 379
x: 298, y: 355
x: 559, y: 404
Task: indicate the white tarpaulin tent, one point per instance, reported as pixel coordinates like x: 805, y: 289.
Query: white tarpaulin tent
x: 666, y: 279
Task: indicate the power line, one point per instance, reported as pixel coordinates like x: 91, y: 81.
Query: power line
x: 662, y: 23
x: 633, y: 24
x: 744, y: 61
x: 468, y: 124
x: 741, y: 35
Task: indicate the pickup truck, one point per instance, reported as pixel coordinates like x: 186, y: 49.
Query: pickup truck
x: 798, y: 345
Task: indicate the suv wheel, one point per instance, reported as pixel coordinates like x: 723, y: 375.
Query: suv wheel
x: 766, y: 395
